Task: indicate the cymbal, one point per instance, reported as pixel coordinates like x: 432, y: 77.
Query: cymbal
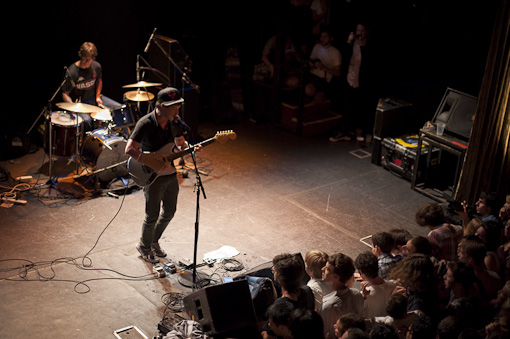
x: 139, y: 96
x: 103, y: 115
x: 78, y: 107
x: 141, y: 84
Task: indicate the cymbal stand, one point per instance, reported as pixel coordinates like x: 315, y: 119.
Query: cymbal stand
x: 47, y: 114
x: 165, y: 79
x: 185, y: 77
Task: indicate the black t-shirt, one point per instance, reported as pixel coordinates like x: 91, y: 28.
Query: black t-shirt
x: 86, y: 82
x: 151, y: 136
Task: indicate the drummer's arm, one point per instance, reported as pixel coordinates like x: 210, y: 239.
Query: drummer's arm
x: 66, y: 97
x: 133, y: 149
x: 99, y: 88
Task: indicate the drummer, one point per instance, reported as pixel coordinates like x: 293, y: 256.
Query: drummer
x: 85, y: 83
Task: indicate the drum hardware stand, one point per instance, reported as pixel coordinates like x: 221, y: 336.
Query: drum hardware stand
x: 98, y: 170
x: 47, y: 115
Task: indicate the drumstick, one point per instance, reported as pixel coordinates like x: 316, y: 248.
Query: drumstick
x: 103, y: 143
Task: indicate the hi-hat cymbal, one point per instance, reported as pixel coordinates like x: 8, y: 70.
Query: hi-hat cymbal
x: 141, y: 84
x: 103, y: 115
x: 78, y: 107
x: 139, y: 96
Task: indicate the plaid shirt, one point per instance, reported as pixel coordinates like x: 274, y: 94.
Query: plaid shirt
x: 444, y: 240
x: 386, y: 262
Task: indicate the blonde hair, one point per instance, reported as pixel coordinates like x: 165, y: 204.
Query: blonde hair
x: 472, y: 226
x: 315, y: 260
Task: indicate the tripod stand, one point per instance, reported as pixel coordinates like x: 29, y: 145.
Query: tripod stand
x: 46, y: 111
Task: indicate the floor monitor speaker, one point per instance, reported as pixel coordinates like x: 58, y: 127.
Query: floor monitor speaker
x: 223, y: 308
x: 457, y: 111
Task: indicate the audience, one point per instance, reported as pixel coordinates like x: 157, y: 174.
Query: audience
x: 374, y: 289
x: 425, y: 293
x: 306, y: 324
x: 490, y: 233
x: 278, y: 315
x: 400, y: 237
x: 460, y: 280
x: 421, y: 328
x: 443, y: 237
x: 487, y: 207
x: 339, y: 274
x: 288, y: 271
x: 315, y: 260
x: 382, y: 247
x: 472, y: 253
x: 348, y: 321
x: 383, y: 331
x: 398, y: 316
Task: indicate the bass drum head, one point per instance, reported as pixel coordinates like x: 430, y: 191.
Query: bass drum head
x: 102, y: 150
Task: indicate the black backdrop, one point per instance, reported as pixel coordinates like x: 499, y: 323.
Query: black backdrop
x: 424, y: 46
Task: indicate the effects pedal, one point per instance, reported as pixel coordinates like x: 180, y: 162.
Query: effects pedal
x: 158, y: 271
x: 170, y: 267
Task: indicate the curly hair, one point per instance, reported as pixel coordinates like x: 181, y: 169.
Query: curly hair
x: 415, y: 271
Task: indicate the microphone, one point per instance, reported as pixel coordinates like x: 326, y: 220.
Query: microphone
x: 149, y: 42
x: 182, y: 123
x: 68, y: 75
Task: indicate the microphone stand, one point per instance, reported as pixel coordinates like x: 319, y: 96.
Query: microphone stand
x: 199, y: 187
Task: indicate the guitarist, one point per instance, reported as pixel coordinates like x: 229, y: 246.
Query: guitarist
x: 152, y: 132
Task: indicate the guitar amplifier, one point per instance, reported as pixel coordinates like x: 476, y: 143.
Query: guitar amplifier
x: 399, y: 155
x: 393, y: 117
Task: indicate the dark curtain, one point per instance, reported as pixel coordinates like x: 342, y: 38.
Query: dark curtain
x: 487, y: 163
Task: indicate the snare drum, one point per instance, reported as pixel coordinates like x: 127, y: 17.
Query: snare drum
x: 66, y: 129
x: 102, y: 149
x: 101, y: 119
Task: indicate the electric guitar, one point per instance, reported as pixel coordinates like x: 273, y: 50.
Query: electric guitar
x: 144, y: 175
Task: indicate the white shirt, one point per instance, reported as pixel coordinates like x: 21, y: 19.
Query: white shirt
x: 329, y: 56
x: 377, y: 299
x: 319, y: 289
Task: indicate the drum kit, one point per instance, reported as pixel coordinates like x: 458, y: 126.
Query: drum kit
x: 102, y: 149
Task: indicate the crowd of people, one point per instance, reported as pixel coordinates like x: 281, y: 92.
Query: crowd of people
x: 339, y: 63
x: 452, y: 283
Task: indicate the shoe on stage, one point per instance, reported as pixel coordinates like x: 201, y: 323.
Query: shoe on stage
x: 147, y: 255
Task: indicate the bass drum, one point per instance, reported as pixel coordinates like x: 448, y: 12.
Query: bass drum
x: 101, y: 150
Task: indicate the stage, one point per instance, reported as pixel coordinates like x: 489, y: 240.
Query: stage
x: 70, y: 267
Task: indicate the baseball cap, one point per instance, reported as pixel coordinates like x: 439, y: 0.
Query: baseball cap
x: 169, y: 96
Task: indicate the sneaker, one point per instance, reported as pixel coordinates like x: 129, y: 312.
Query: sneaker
x: 340, y: 137
x: 147, y: 255
x: 157, y: 250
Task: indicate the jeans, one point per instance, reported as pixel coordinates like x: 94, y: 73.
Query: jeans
x: 160, y: 207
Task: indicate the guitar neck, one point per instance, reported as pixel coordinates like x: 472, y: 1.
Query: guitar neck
x: 173, y: 156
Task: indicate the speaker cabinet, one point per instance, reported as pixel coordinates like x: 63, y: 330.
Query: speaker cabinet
x: 392, y: 119
x: 223, y: 309
x: 457, y: 111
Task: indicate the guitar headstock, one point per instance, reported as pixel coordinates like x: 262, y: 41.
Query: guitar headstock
x: 225, y: 135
